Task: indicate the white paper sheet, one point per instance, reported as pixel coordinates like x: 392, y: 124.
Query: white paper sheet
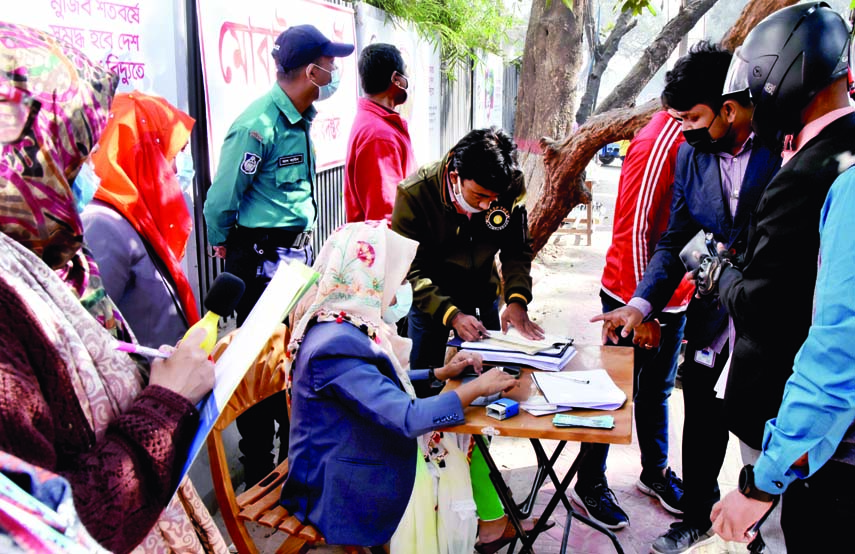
x: 592, y: 389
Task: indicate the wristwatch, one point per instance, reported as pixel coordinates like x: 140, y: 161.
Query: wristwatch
x: 434, y: 382
x: 749, y: 490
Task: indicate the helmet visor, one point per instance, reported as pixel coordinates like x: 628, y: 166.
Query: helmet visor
x: 737, y: 76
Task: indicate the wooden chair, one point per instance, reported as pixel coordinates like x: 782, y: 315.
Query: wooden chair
x: 260, y: 503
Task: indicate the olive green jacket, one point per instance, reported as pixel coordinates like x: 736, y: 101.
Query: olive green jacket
x: 454, y: 268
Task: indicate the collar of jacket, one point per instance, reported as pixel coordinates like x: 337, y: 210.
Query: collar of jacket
x: 390, y: 116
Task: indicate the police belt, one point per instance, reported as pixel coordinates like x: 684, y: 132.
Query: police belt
x: 271, y: 236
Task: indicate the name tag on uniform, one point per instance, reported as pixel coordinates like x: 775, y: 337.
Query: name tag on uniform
x: 705, y: 357
x: 291, y: 159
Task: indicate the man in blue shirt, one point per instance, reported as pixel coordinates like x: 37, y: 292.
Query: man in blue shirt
x: 806, y: 452
x: 261, y: 206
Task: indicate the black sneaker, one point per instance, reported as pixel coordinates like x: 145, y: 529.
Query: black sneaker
x: 668, y: 489
x: 682, y: 537
x: 600, y: 504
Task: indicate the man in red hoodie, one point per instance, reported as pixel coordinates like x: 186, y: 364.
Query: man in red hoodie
x: 379, y: 152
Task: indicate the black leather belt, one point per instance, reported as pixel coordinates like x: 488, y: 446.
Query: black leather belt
x: 272, y: 236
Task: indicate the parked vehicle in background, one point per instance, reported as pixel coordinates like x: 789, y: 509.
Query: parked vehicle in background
x: 610, y: 153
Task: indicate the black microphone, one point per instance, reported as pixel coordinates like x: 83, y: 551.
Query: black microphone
x: 221, y: 300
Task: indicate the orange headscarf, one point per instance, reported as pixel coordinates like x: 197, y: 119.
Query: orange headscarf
x: 135, y: 163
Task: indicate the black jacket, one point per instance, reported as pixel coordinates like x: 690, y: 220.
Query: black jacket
x: 771, y: 299
x: 454, y: 268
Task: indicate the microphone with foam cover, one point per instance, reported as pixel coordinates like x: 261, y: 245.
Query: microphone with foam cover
x: 221, y: 300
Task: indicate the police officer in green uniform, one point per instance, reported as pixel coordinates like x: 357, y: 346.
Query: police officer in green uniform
x: 261, y: 206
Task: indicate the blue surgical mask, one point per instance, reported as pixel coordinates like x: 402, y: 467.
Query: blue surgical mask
x: 328, y: 89
x: 84, y: 186
x: 402, y: 305
x: 185, y: 170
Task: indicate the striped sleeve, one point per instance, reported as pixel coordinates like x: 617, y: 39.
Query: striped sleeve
x: 656, y: 181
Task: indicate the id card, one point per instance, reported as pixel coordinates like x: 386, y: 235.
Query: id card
x: 705, y: 357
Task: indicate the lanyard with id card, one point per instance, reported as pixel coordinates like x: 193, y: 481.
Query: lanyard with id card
x: 705, y: 357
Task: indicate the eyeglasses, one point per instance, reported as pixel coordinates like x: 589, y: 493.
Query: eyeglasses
x: 405, y: 85
x: 18, y: 110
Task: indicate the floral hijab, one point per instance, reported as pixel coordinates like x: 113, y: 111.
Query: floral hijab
x: 37, y: 205
x: 361, y: 266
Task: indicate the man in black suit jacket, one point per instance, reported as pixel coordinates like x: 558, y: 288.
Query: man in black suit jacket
x: 801, y: 94
x: 721, y: 173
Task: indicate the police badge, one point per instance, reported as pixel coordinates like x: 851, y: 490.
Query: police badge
x: 497, y: 218
x: 250, y: 163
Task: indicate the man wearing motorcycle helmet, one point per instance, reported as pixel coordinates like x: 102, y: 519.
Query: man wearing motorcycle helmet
x: 795, y: 66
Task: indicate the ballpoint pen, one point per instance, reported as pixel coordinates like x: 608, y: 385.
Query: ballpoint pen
x: 580, y: 381
x: 141, y: 350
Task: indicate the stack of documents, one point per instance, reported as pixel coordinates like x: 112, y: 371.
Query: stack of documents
x: 592, y: 389
x: 552, y: 353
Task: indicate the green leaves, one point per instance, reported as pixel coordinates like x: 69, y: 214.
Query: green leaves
x: 460, y: 26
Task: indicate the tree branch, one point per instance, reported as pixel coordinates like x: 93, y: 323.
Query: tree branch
x: 751, y: 15
x: 605, y: 52
x: 565, y: 160
x: 655, y: 55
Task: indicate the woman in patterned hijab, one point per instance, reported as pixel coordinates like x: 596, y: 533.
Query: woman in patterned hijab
x: 70, y: 402
x: 357, y: 429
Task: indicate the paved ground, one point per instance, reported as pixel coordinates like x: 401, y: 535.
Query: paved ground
x: 567, y: 283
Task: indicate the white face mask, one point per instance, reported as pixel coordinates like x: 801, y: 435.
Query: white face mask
x: 458, y: 197
x: 402, y: 305
x: 328, y: 89
x: 184, y: 170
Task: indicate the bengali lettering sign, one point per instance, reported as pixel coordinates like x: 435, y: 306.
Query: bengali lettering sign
x: 236, y: 40
x: 128, y: 37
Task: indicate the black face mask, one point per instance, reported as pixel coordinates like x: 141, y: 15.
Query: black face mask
x: 701, y: 140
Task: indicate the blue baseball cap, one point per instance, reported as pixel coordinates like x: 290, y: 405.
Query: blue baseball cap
x: 302, y: 44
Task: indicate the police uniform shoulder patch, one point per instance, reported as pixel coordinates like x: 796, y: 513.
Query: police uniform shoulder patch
x: 250, y: 163
x: 497, y: 218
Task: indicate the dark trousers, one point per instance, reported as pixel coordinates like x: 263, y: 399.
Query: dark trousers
x: 654, y: 374
x: 254, y: 259
x: 816, y: 512
x: 705, y: 437
x: 430, y: 337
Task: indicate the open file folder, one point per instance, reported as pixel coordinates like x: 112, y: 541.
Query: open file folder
x: 591, y: 389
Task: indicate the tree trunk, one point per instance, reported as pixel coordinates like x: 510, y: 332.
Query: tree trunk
x: 602, y: 55
x: 565, y: 160
x: 655, y: 55
x: 751, y: 15
x: 547, y: 92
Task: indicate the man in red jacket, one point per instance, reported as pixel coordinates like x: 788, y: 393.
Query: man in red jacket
x: 379, y: 152
x: 641, y: 216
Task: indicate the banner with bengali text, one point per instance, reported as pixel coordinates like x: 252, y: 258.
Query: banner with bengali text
x: 127, y: 36
x: 236, y: 39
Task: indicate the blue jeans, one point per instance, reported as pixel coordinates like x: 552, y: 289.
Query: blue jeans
x: 655, y: 371
x: 430, y: 336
